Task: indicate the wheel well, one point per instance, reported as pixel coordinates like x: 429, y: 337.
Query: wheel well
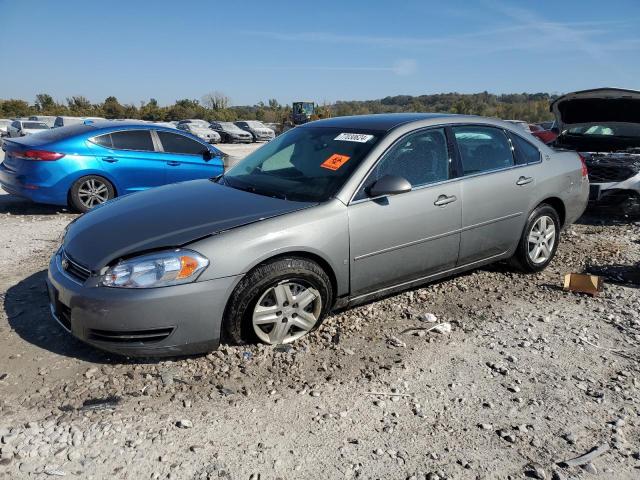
x: 558, y: 206
x: 115, y: 189
x: 312, y: 257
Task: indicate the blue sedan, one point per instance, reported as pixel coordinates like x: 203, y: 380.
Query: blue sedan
x: 85, y: 165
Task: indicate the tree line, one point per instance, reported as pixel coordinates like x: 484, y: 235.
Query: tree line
x: 531, y: 107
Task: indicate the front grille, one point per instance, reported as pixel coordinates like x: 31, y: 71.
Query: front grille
x: 74, y: 269
x: 133, y: 336
x: 605, y: 173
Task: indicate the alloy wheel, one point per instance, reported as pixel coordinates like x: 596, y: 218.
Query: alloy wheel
x: 542, y: 239
x: 286, y: 312
x: 93, y: 192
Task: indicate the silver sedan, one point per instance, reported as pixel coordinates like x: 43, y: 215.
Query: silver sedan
x: 330, y: 214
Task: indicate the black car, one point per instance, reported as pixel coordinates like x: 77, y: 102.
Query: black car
x: 230, y: 133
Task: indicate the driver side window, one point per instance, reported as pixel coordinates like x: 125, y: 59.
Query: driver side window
x: 420, y: 158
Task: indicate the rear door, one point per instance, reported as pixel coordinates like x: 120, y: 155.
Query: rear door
x: 130, y: 158
x: 185, y: 159
x: 496, y: 192
x: 410, y: 235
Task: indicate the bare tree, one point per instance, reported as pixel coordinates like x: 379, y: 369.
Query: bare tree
x: 216, y: 101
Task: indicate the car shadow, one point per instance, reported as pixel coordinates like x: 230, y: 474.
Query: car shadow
x: 26, y: 305
x: 15, y: 205
x: 626, y: 275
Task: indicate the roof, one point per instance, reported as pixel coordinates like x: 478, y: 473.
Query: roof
x: 383, y: 121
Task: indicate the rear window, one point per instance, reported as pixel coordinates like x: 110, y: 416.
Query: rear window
x: 51, y: 135
x: 104, y: 140
x: 133, y: 140
x: 35, y: 125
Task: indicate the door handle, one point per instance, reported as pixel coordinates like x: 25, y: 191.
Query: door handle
x: 524, y: 180
x: 173, y: 164
x: 110, y: 159
x: 444, y: 200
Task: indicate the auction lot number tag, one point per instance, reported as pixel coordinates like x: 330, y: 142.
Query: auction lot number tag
x: 335, y: 161
x: 353, y: 137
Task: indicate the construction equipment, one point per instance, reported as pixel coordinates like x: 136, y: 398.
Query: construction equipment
x: 301, y: 113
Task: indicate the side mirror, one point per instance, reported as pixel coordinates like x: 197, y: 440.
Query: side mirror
x: 206, y: 155
x: 389, y: 185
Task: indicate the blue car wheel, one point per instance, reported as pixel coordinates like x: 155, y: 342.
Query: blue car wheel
x: 89, y: 191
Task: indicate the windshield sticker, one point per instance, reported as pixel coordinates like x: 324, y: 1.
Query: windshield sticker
x: 335, y: 161
x: 354, y: 137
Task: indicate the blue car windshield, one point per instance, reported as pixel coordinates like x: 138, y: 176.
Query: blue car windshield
x: 306, y: 164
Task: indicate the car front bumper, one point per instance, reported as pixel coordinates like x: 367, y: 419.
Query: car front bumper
x: 167, y: 321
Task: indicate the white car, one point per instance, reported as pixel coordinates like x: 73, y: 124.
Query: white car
x: 4, y: 124
x: 20, y: 128
x: 201, y: 131
x: 50, y: 120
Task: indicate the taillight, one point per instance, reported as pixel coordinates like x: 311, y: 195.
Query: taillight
x: 585, y: 172
x: 41, y: 155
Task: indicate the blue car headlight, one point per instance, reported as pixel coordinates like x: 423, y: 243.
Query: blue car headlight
x: 158, y: 269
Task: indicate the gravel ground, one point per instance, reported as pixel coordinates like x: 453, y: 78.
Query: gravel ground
x: 529, y: 377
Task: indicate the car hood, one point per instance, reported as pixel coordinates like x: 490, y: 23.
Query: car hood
x: 598, y: 105
x: 165, y: 217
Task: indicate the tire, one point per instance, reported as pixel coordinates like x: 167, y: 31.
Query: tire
x: 255, y: 296
x: 528, y: 257
x: 90, y: 191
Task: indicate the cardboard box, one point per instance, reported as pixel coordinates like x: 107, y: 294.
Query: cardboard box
x: 583, y: 283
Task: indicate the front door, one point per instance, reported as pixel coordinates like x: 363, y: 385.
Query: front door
x: 411, y: 235
x: 184, y: 158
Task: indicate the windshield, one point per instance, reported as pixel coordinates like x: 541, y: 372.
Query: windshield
x: 34, y: 125
x: 305, y: 164
x: 229, y: 126
x: 606, y: 129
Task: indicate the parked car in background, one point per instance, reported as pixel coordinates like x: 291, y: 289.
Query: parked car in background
x: 230, y: 133
x: 194, y: 121
x: 403, y: 199
x: 201, y: 131
x: 66, y: 121
x: 520, y: 124
x: 48, y: 119
x: 85, y: 165
x: 257, y: 129
x: 163, y: 124
x: 4, y: 124
x: 603, y: 125
x: 20, y: 128
x: 546, y: 136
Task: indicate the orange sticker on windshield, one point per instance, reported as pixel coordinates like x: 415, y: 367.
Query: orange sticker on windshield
x: 335, y: 161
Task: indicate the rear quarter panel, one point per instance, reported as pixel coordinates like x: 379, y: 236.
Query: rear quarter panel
x: 560, y: 176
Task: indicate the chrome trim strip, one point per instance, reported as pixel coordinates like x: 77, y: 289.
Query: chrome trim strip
x: 423, y: 279
x: 436, y: 237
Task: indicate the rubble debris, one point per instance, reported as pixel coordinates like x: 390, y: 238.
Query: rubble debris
x: 444, y: 327
x: 101, y: 403
x: 583, y: 283
x: 586, y: 458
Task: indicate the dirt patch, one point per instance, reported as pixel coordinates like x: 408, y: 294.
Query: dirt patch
x: 529, y: 377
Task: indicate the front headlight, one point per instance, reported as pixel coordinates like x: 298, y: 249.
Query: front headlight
x: 158, y: 269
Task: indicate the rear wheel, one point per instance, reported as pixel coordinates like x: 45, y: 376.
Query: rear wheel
x: 90, y: 191
x: 278, y: 302
x: 539, y: 240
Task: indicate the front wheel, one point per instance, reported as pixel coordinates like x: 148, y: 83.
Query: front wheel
x: 90, y: 191
x: 539, y: 240
x: 278, y: 302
